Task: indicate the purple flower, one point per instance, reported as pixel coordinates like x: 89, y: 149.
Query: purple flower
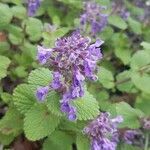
x: 33, y: 5
x: 43, y: 54
x: 69, y: 110
x: 56, y: 83
x: 101, y: 132
x: 120, y: 9
x: 124, y: 14
x: 130, y: 136
x: 73, y: 59
x: 42, y: 92
x: 94, y: 17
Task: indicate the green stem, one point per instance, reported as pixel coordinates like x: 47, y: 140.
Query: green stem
x: 146, y: 141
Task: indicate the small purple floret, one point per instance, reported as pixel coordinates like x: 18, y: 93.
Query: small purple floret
x: 33, y: 5
x: 42, y: 92
x: 43, y: 54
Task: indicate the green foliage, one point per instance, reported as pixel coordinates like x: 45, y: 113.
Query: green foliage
x: 117, y: 22
x: 59, y: 141
x: 106, y: 78
x: 140, y: 59
x: 53, y: 103
x: 39, y: 122
x: 40, y: 77
x: 11, y: 125
x: 122, y: 88
x: 143, y: 103
x: 130, y: 115
x: 82, y: 142
x: 87, y: 107
x: 135, y: 26
x: 34, y: 28
x: 3, y: 66
x: 24, y: 97
x: 6, y: 15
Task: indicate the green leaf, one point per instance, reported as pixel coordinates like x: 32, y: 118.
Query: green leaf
x: 82, y: 142
x: 41, y: 77
x: 19, y: 12
x: 123, y: 54
x: 34, y: 29
x: 52, y: 36
x: 141, y: 81
x: 106, y: 33
x: 6, y: 97
x: 6, y: 139
x: 124, y: 82
x: 129, y: 147
x: 87, y: 107
x: 106, y: 78
x: 24, y: 97
x: 129, y: 114
x: 117, y: 22
x: 4, y: 63
x: 15, y: 34
x: 11, y: 123
x: 58, y: 141
x: 21, y: 72
x: 53, y: 103
x: 146, y: 45
x: 5, y: 15
x: 139, y: 60
x: 143, y: 103
x: 4, y: 47
x: 135, y: 26
x: 39, y: 122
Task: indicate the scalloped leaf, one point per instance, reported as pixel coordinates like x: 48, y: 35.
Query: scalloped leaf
x: 4, y: 63
x: 41, y: 76
x: 53, y: 103
x: 24, y: 97
x: 11, y: 123
x: 58, y: 141
x: 39, y: 122
x: 82, y: 142
x: 87, y: 107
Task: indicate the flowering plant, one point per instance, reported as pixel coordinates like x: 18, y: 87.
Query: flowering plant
x: 74, y: 75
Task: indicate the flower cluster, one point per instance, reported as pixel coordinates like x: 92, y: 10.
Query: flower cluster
x: 121, y: 10
x: 103, y: 132
x: 33, y: 5
x: 94, y: 17
x: 134, y: 137
x: 73, y: 59
x: 130, y: 136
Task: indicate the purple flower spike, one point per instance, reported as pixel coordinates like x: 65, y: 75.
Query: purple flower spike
x: 33, y: 5
x: 93, y: 17
x: 101, y: 132
x: 73, y: 59
x: 43, y: 54
x: 42, y: 92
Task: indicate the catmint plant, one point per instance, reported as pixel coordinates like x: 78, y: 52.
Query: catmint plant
x: 73, y: 60
x: 103, y: 132
x: 93, y: 17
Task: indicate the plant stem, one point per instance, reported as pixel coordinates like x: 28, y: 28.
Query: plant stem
x: 146, y: 141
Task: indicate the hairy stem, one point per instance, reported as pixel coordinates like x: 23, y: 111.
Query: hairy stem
x: 146, y: 141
